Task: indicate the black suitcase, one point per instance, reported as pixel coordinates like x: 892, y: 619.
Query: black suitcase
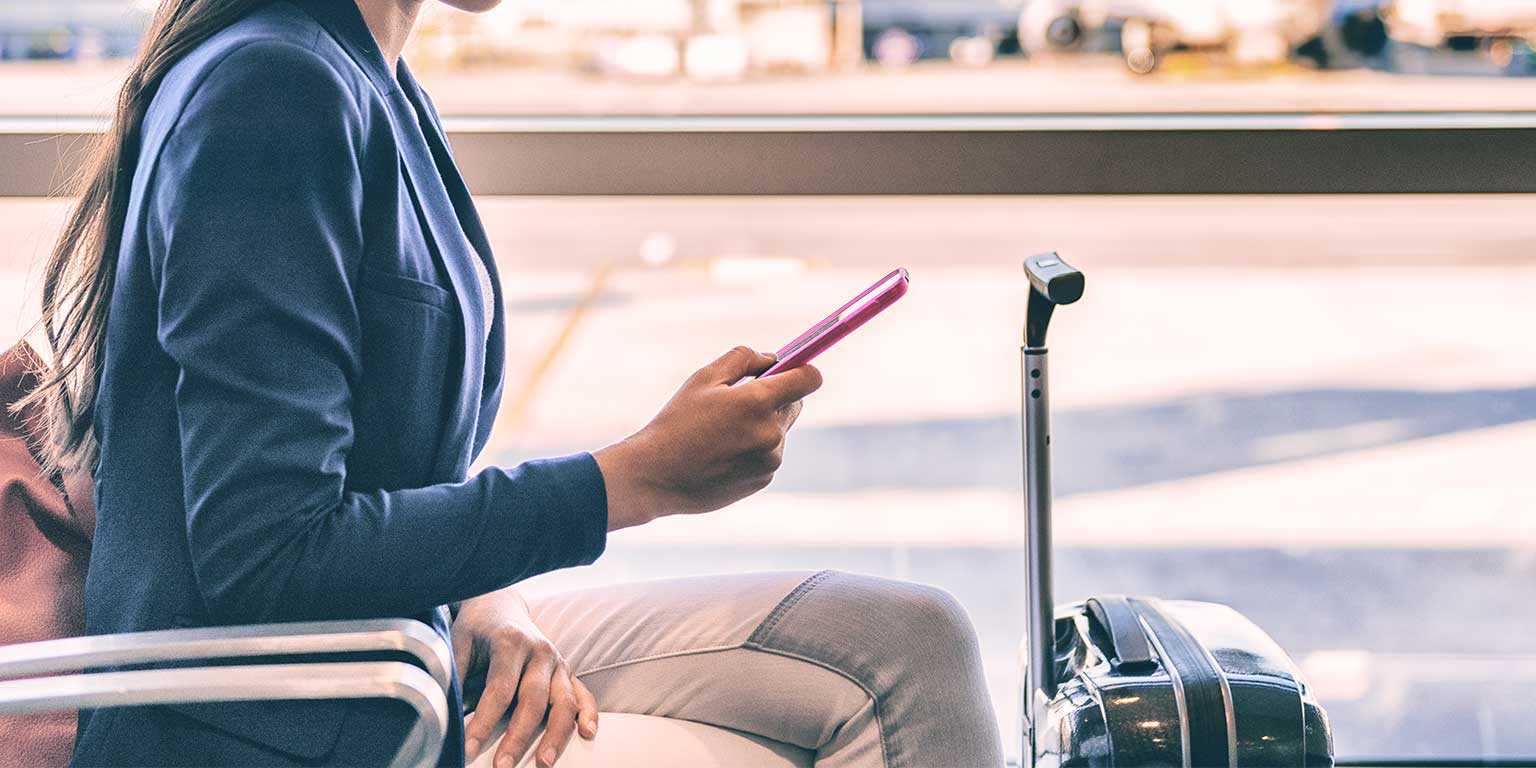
x: 1131, y: 681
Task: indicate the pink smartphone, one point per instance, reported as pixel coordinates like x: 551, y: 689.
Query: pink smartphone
x: 829, y: 331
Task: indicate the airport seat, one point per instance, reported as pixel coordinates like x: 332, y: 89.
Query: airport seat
x: 55, y: 675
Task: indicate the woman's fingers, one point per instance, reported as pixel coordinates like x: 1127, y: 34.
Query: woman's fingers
x: 501, y: 687
x: 586, y: 718
x: 710, y: 445
x: 731, y: 367
x: 561, y: 723
x: 528, y: 714
x: 791, y: 385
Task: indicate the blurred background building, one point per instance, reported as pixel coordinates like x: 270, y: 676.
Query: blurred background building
x: 71, y: 29
x: 731, y: 39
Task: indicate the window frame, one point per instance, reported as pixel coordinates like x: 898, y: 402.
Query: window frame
x: 1278, y: 153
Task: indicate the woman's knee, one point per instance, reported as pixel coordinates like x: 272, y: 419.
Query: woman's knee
x: 929, y: 606
x: 916, y: 623
x: 912, y: 649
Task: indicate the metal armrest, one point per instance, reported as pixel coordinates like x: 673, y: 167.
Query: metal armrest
x: 254, y: 640
x: 51, y: 687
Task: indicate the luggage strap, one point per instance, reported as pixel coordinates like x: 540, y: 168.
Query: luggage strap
x: 1207, y: 712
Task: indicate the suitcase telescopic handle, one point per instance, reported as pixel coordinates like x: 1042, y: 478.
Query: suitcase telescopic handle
x: 1052, y: 282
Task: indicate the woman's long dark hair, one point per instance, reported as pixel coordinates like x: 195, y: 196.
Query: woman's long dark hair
x: 78, y: 278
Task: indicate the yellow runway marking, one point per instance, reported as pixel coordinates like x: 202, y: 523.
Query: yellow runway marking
x: 515, y: 411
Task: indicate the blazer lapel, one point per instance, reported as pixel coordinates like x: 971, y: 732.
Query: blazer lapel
x: 434, y: 206
x: 474, y: 231
x: 442, y: 228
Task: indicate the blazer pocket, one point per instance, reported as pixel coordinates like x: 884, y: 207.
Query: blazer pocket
x: 408, y: 288
x: 409, y: 356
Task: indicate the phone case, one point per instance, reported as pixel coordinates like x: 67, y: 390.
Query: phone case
x: 885, y: 292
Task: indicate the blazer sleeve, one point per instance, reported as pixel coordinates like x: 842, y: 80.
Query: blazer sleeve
x: 255, y: 222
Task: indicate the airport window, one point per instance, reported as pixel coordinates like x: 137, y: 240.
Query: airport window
x: 1316, y: 407
x: 1249, y: 410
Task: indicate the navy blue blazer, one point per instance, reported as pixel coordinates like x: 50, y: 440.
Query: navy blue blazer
x: 296, y: 382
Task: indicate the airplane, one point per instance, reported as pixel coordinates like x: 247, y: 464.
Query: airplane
x: 1500, y: 26
x: 1248, y: 31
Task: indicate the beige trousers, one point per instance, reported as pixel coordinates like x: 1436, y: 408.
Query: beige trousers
x: 858, y: 670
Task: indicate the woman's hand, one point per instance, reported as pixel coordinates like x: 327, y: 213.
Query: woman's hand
x: 712, y: 444
x: 505, y: 661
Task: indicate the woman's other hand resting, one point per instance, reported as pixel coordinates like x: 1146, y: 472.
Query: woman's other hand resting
x: 509, y: 669
x: 711, y: 445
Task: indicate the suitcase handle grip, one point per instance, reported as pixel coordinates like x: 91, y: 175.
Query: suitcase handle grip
x: 1054, y: 279
x: 1052, y: 282
x: 1129, y: 651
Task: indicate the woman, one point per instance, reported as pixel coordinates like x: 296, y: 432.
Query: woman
x: 278, y: 339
